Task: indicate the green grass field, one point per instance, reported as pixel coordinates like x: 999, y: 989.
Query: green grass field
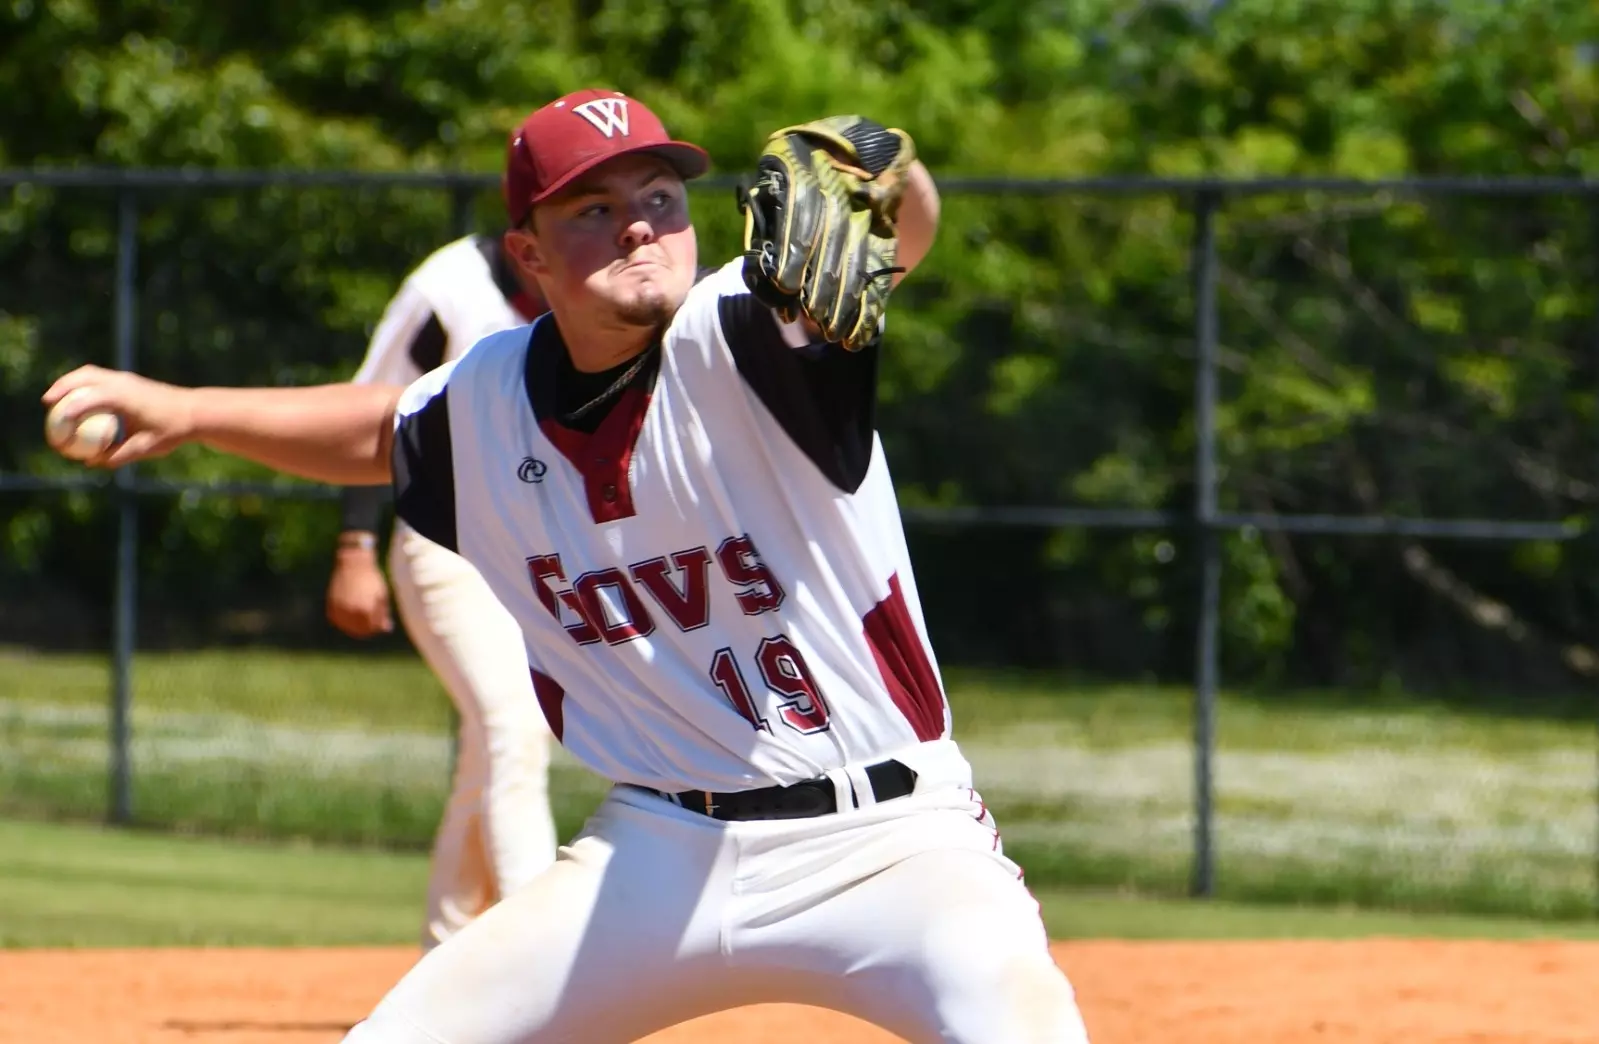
x: 63, y: 885
x: 1377, y: 802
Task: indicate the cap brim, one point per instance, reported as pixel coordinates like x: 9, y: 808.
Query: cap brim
x: 690, y: 161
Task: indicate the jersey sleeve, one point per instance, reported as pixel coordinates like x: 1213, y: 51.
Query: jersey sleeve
x: 423, y: 459
x: 823, y: 397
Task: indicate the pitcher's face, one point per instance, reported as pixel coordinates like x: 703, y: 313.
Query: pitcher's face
x: 616, y: 241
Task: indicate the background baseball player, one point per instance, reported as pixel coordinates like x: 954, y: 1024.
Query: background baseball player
x: 716, y: 597
x: 497, y: 832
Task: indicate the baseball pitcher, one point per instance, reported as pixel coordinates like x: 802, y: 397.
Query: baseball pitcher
x: 716, y: 599
x: 497, y: 832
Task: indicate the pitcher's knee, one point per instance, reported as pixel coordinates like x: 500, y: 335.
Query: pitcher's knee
x: 1032, y: 1003
x: 994, y: 980
x: 1025, y: 1002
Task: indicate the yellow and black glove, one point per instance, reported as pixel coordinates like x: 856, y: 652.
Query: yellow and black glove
x: 821, y: 224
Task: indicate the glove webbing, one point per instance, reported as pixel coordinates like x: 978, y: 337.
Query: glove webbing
x: 874, y: 146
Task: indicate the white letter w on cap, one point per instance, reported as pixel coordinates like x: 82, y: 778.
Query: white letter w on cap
x: 609, y: 115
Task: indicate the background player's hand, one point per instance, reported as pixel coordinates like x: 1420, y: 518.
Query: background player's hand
x: 358, y: 596
x: 156, y: 417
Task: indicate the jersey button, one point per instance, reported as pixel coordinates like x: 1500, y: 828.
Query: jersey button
x: 608, y: 493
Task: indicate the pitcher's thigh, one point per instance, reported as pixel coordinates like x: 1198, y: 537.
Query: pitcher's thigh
x: 599, y: 952
x: 956, y: 952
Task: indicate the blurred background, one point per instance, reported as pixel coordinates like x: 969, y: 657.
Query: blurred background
x: 1244, y: 416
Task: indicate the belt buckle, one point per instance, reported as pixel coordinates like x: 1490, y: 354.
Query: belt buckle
x: 710, y: 803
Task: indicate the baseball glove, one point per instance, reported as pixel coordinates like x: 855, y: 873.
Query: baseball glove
x: 820, y: 224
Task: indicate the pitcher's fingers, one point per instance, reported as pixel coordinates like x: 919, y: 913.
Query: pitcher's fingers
x: 135, y: 447
x: 86, y: 399
x: 69, y: 381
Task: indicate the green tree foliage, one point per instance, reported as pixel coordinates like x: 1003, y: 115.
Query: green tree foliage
x: 1382, y: 352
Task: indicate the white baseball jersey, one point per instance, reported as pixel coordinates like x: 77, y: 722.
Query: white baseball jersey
x: 459, y: 294
x: 714, y: 585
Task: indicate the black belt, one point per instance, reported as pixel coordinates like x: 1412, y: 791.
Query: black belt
x: 811, y: 797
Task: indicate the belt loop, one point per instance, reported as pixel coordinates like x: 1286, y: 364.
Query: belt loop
x: 865, y: 793
x: 847, y: 791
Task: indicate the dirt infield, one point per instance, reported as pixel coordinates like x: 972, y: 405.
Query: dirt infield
x: 1417, y: 992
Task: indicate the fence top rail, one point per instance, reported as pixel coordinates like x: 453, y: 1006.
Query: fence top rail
x: 150, y: 178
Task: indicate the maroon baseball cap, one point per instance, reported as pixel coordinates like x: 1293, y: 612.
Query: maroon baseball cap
x: 575, y: 134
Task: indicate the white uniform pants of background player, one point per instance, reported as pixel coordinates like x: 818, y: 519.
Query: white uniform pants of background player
x: 497, y: 833
x: 906, y: 914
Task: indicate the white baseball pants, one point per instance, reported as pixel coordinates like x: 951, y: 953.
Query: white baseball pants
x: 905, y: 914
x: 497, y: 833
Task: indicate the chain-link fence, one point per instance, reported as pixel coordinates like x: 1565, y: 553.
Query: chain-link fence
x: 1252, y: 520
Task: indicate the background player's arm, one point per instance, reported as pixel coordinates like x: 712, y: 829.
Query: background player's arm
x: 357, y: 598
x: 341, y: 434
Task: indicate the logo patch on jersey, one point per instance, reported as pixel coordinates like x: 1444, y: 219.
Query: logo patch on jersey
x: 532, y: 470
x: 607, y: 115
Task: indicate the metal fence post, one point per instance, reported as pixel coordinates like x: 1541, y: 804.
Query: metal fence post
x: 124, y: 621
x: 1208, y: 637
x: 1593, y: 515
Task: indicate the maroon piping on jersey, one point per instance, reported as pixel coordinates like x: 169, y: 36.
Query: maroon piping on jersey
x: 903, y: 663
x: 551, y: 697
x: 603, y: 458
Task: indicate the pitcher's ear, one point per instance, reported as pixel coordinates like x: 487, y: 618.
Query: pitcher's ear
x: 522, y: 247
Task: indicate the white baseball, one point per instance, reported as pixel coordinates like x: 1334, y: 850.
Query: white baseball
x: 92, y: 435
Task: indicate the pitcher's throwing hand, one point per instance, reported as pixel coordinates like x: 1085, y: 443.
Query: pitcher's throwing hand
x: 155, y: 417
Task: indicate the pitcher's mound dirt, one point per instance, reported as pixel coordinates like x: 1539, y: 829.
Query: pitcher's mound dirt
x: 1414, y: 992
